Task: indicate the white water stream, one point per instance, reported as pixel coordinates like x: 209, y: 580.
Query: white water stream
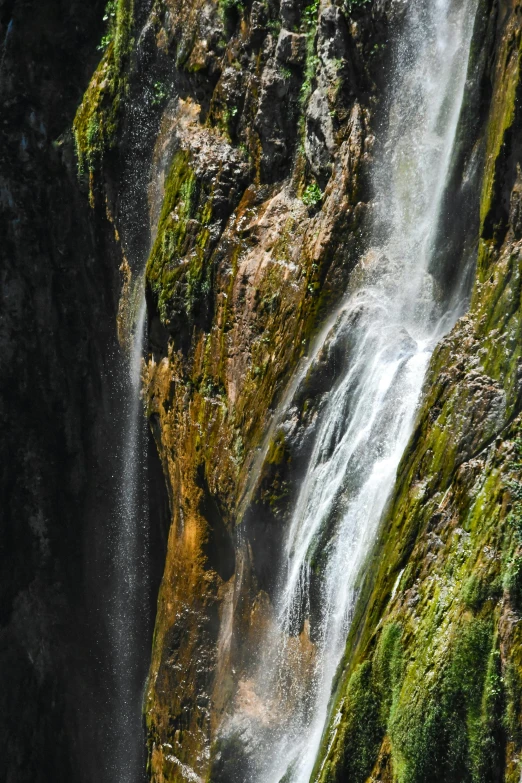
x: 129, y: 604
x: 389, y: 324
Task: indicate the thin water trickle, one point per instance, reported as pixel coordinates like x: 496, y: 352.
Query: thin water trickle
x: 389, y: 323
x: 130, y: 590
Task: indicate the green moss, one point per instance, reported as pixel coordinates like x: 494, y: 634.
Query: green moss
x: 276, y: 450
x: 450, y: 730
x: 362, y: 729
x: 475, y: 592
x: 488, y: 738
x: 177, y: 269
x: 388, y: 665
x: 362, y: 717
x: 513, y: 581
x: 309, y: 25
x: 97, y: 119
x: 513, y: 702
x: 501, y: 119
x: 440, y: 734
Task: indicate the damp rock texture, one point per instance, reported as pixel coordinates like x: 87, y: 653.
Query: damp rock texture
x: 252, y: 124
x: 246, y: 132
x: 223, y: 149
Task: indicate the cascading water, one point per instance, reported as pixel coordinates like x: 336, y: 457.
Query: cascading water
x: 388, y: 326
x: 132, y: 550
x: 129, y: 604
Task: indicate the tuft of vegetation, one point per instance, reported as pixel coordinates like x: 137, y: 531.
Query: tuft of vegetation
x: 513, y: 581
x: 513, y: 573
x: 309, y: 17
x: 96, y: 122
x: 274, y: 26
x: 309, y: 24
x: 159, y: 93
x: 110, y: 19
x: 228, y: 7
x: 312, y: 195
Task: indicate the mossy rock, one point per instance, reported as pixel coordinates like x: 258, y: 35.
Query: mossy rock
x: 97, y: 119
x: 179, y: 272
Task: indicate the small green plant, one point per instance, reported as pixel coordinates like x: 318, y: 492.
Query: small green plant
x: 513, y: 581
x: 286, y: 73
x: 312, y: 195
x: 310, y: 15
x: 274, y: 25
x: 159, y: 93
x: 309, y: 23
x: 105, y: 41
x: 226, y: 6
x: 312, y: 62
x: 110, y: 11
x: 109, y: 18
x: 228, y: 115
x: 376, y: 48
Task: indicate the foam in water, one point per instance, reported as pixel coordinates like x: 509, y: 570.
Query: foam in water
x: 388, y: 325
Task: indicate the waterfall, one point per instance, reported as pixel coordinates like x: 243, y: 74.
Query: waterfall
x: 129, y: 604
x: 386, y: 329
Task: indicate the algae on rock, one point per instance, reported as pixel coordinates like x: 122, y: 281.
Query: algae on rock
x: 97, y: 119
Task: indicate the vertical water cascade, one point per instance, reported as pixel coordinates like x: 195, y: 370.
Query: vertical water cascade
x: 129, y: 604
x: 386, y: 329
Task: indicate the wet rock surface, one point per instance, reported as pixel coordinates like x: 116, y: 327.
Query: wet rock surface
x: 265, y: 138
x: 229, y: 144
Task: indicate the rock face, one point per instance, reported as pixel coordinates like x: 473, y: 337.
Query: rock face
x: 59, y: 406
x: 58, y: 305
x: 257, y: 124
x: 223, y: 147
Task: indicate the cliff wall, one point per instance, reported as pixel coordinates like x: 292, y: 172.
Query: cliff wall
x: 224, y: 150
x: 58, y: 305
x: 257, y: 120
